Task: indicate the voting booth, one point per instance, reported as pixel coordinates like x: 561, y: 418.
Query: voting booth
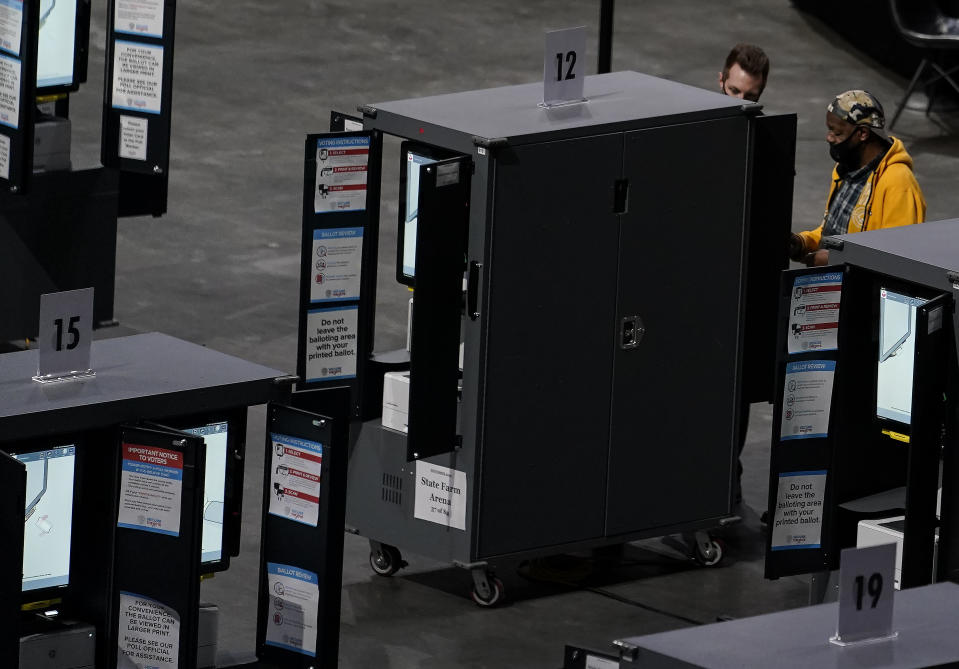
x: 58, y: 223
x: 864, y: 426
x: 559, y: 336
x: 120, y: 489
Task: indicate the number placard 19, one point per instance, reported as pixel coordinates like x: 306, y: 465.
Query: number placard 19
x: 866, y: 594
x: 563, y: 66
x: 66, y: 328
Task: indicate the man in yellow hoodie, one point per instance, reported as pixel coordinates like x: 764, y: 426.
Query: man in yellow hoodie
x: 872, y: 183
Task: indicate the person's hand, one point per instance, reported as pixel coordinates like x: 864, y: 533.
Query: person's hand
x: 816, y: 258
x: 795, y: 247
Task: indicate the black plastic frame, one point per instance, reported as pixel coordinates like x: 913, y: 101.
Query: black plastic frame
x: 368, y: 220
x: 909, y: 290
x: 429, y: 151
x: 236, y: 420
x: 437, y: 303
x: 81, y: 51
x: 39, y: 598
x: 161, y: 567
x: 317, y: 549
x: 144, y: 183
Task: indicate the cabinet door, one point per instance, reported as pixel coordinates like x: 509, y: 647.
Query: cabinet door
x: 675, y: 388
x: 548, y: 349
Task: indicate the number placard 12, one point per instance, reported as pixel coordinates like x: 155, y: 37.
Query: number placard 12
x: 564, y: 66
x: 866, y: 594
x: 66, y: 328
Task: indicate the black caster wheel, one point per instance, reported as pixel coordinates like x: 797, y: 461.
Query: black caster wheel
x: 497, y: 593
x: 387, y: 560
x: 709, y: 554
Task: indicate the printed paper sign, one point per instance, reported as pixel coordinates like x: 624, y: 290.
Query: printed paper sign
x: 151, y: 488
x: 4, y: 157
x: 148, y: 634
x: 807, y: 396
x: 341, y: 171
x: 139, y: 17
x: 294, y: 601
x: 133, y: 137
x: 337, y: 258
x: 594, y: 662
x: 866, y: 593
x: 564, y: 65
x: 10, y: 69
x: 11, y: 25
x: 137, y: 76
x: 440, y: 495
x: 797, y: 522
x: 65, y: 331
x: 295, y: 479
x: 814, y: 312
x: 331, y: 343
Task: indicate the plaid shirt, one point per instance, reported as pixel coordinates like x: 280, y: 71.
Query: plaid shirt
x: 840, y: 209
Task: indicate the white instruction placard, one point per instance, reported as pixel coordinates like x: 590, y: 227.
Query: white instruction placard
x: 137, y: 76
x: 440, y: 495
x: 814, y: 312
x: 331, y: 343
x: 148, y: 633
x: 342, y: 165
x: 295, y: 479
x: 294, y: 601
x: 797, y: 522
x: 151, y: 489
x: 337, y: 260
x: 133, y: 137
x: 139, y: 17
x: 807, y: 396
x: 10, y: 69
x: 11, y: 25
x: 4, y: 157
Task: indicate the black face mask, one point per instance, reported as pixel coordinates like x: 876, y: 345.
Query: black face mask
x: 845, y: 153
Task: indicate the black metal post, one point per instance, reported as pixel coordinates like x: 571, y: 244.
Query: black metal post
x: 605, y: 35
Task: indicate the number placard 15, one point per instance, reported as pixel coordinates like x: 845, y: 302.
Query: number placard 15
x: 866, y: 593
x: 65, y: 331
x: 563, y: 72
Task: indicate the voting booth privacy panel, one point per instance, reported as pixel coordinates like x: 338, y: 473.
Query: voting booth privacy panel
x: 106, y: 508
x: 563, y: 251
x: 864, y: 424
x: 301, y: 547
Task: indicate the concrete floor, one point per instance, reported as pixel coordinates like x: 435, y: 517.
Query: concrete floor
x: 253, y: 78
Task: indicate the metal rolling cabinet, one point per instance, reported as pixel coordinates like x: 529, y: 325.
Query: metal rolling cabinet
x: 628, y: 211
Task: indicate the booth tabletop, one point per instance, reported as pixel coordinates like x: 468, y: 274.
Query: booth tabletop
x: 138, y: 376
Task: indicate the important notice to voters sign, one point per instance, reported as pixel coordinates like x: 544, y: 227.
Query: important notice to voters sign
x: 151, y: 489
